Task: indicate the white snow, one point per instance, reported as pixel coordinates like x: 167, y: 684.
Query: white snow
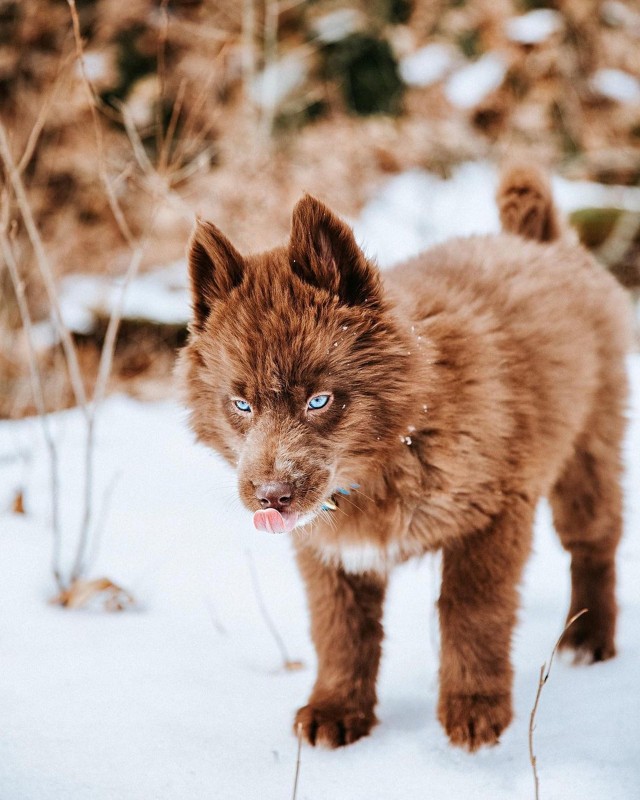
x: 617, y: 85
x: 616, y: 13
x: 534, y: 27
x: 160, y: 296
x: 96, y: 66
x: 337, y: 25
x: 279, y: 79
x: 472, y: 83
x: 571, y: 195
x: 417, y: 208
x: 186, y: 698
x: 427, y: 65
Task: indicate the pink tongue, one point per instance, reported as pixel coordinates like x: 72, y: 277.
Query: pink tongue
x: 273, y: 521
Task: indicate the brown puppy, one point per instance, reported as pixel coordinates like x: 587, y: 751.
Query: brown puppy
x: 432, y: 407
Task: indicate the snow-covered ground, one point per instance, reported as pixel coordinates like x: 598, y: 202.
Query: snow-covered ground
x: 185, y: 696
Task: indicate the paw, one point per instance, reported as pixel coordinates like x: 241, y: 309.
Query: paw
x: 590, y: 639
x: 472, y: 721
x: 333, y: 724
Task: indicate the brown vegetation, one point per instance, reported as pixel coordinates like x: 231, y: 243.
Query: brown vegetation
x: 172, y: 121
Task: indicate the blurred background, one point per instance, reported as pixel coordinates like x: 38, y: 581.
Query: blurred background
x: 125, y: 118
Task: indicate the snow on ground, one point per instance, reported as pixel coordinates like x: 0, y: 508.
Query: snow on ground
x: 161, y: 296
x: 472, y: 83
x: 428, y: 65
x: 160, y: 703
x: 416, y: 209
x: 617, y: 85
x: 185, y: 697
x: 534, y: 27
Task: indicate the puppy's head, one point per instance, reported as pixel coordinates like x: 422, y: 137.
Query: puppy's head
x: 294, y: 364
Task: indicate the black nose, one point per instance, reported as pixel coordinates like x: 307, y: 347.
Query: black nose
x: 275, y: 495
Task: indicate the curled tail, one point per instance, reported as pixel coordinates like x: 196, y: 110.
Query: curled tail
x: 526, y: 204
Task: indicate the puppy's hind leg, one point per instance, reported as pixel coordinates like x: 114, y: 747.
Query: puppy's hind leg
x: 587, y: 510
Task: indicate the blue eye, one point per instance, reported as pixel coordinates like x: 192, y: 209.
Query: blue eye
x: 242, y: 405
x: 319, y: 401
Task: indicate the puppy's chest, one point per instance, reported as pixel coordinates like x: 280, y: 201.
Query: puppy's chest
x: 361, y: 550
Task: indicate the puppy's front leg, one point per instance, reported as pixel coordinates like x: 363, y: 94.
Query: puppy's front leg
x: 346, y: 612
x: 478, y: 605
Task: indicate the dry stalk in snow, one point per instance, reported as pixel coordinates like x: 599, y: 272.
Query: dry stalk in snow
x: 297, y: 775
x: 94, y: 104
x: 44, y: 267
x: 288, y: 664
x: 36, y: 384
x: 74, y: 589
x: 544, y: 677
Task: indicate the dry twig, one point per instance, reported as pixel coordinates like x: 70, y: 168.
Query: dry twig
x: 295, y: 780
x: 104, y: 370
x: 94, y: 104
x: 37, y: 388
x: 80, y: 593
x: 159, y: 179
x: 45, y: 270
x: 41, y: 119
x: 289, y: 664
x: 544, y: 677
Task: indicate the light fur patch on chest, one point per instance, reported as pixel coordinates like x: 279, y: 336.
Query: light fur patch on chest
x: 359, y: 558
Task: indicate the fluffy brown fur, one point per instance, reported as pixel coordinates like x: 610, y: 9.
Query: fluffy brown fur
x: 466, y: 384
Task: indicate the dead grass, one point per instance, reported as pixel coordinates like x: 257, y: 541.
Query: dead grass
x: 545, y: 671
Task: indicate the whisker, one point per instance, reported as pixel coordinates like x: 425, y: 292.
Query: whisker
x: 352, y: 502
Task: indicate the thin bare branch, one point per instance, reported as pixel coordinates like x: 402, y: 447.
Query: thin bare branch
x: 190, y: 134
x: 624, y: 233
x: 144, y: 162
x: 45, y: 270
x: 101, y: 517
x: 544, y: 677
x: 162, y: 80
x: 167, y: 141
x: 158, y: 185
x: 215, y: 619
x: 93, y: 105
x: 104, y: 370
x: 297, y: 775
x: 41, y: 119
x: 37, y: 389
x: 287, y: 662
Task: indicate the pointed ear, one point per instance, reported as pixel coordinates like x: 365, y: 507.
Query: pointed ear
x: 324, y: 253
x: 215, y: 267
